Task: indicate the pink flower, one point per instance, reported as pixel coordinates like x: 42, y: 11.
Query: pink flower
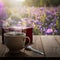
x: 49, y: 30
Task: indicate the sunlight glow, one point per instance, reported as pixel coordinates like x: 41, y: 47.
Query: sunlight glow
x: 13, y: 3
x: 20, y: 0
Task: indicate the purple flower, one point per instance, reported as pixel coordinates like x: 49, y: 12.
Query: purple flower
x: 40, y: 28
x: 55, y: 31
x: 42, y: 8
x: 54, y: 25
x: 32, y: 20
x: 47, y: 19
x: 51, y: 24
x: 25, y: 19
x: 49, y: 30
x: 44, y: 29
x: 48, y: 13
x: 38, y: 23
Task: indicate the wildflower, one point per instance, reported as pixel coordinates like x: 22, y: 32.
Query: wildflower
x: 50, y: 30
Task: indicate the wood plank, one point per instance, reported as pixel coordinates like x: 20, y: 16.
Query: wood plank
x: 39, y: 45
x: 6, y: 51
x: 27, y: 52
x: 31, y: 53
x: 0, y: 31
x: 57, y: 37
x: 0, y: 39
x: 2, y: 47
x: 51, y: 47
x: 2, y: 50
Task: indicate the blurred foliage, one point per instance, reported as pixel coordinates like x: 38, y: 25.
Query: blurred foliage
x: 24, y: 16
x: 39, y: 3
x: 58, y: 25
x: 52, y: 2
x: 36, y: 31
x: 33, y: 3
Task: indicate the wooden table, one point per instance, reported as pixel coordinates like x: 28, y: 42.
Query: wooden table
x: 27, y: 30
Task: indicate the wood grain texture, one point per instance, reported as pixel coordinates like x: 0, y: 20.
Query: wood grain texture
x: 36, y: 45
x: 0, y: 39
x: 57, y: 37
x: 2, y: 50
x: 51, y: 47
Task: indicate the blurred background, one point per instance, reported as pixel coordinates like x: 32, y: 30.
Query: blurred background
x: 42, y: 15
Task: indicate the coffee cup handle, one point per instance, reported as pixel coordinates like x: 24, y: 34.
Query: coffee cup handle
x: 28, y: 39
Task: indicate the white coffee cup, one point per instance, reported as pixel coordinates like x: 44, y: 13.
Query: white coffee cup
x: 15, y: 41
